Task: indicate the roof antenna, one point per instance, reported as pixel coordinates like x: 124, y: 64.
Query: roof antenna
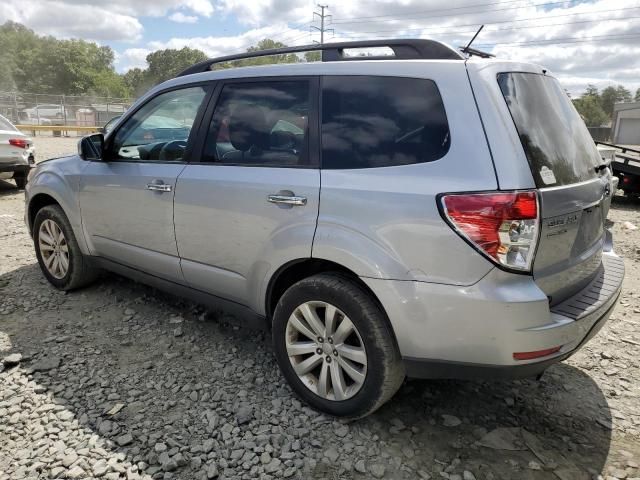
x: 472, y: 51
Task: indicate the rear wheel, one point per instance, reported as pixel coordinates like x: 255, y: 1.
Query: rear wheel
x: 335, y: 346
x: 60, y: 258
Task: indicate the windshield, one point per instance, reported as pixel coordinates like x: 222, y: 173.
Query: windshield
x: 6, y: 124
x: 556, y: 141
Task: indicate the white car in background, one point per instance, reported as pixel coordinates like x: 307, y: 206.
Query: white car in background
x: 17, y: 154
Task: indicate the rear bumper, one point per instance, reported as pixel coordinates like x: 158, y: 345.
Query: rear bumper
x: 446, y: 331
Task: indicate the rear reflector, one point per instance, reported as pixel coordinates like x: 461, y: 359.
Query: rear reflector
x: 502, y: 225
x: 536, y: 354
x: 19, y: 142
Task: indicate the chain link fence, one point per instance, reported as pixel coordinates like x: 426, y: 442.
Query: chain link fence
x: 60, y: 110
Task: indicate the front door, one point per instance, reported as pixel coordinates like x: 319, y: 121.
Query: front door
x: 251, y: 203
x: 127, y: 198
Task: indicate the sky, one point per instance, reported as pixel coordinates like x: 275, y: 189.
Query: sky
x: 581, y: 41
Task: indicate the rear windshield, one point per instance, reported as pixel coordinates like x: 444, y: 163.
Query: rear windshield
x: 556, y: 141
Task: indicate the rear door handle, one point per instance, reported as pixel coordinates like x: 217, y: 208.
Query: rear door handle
x: 288, y: 200
x: 159, y: 186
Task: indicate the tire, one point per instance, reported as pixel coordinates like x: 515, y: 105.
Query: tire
x: 383, y: 371
x: 21, y: 181
x: 79, y: 271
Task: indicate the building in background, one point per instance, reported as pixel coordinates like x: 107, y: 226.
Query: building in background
x: 625, y: 125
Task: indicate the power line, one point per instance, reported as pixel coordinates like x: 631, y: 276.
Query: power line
x: 466, y: 13
x: 322, y: 18
x: 447, y: 30
x: 518, y: 20
x: 438, y: 10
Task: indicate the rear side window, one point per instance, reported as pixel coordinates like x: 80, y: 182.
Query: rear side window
x: 556, y: 141
x: 370, y: 122
x: 261, y: 124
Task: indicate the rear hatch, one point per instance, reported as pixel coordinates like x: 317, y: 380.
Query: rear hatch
x: 574, y: 186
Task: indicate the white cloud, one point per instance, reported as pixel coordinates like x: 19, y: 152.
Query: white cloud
x: 64, y: 20
x: 603, y: 57
x: 180, y: 17
x: 132, y: 58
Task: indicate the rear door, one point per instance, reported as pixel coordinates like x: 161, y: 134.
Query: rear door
x: 250, y: 203
x: 573, y: 182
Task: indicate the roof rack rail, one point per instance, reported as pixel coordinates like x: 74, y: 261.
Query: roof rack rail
x: 332, y: 52
x: 475, y: 52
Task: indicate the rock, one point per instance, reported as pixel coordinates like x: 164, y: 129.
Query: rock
x: 76, y: 472
x: 332, y: 454
x: 629, y: 226
x: 424, y: 475
x: 125, y: 439
x: 273, y: 466
x: 467, y: 475
x: 115, y: 409
x: 211, y: 471
x: 533, y: 465
x: 12, y: 360
x: 450, y: 420
x: 360, y: 466
x: 377, y: 470
x: 244, y: 415
x: 100, y: 468
x: 265, y: 458
x: 342, y: 431
x: 45, y: 364
x: 178, y: 332
x: 207, y: 446
x: 504, y: 439
x: 161, y: 447
x: 69, y: 459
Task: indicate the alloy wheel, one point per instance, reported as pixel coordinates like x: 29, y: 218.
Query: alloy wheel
x: 326, y: 350
x: 54, y: 248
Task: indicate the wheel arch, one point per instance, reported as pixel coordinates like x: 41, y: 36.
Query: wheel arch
x: 296, y: 270
x: 38, y: 202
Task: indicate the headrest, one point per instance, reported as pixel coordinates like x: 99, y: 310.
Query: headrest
x: 248, y: 127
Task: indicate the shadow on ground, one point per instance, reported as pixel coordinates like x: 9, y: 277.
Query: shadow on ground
x: 182, y: 377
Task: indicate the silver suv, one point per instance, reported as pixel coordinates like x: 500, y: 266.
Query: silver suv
x: 423, y: 214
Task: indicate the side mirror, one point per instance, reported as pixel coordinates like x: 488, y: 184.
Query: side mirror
x: 91, y: 147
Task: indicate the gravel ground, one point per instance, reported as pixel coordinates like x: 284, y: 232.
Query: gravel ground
x: 121, y: 381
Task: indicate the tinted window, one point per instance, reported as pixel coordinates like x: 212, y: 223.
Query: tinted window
x: 554, y: 137
x: 160, y: 129
x: 260, y: 123
x: 381, y: 121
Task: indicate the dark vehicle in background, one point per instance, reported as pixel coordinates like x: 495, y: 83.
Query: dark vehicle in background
x: 625, y: 165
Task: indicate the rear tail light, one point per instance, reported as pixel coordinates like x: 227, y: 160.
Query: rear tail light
x: 19, y: 142
x: 502, y: 225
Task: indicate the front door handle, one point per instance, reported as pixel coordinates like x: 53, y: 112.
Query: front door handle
x: 159, y: 186
x: 288, y: 200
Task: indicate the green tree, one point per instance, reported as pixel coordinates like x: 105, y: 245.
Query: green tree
x: 612, y: 95
x: 589, y: 108
x: 591, y: 90
x: 637, y: 96
x: 313, y: 56
x: 266, y: 44
x: 166, y: 64
x: 136, y: 81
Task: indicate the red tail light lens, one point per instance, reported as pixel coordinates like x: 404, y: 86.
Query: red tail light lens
x: 504, y: 226
x: 19, y: 142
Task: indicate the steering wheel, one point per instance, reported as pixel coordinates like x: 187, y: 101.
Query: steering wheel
x: 173, y: 150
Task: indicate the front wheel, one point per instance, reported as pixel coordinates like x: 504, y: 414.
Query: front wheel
x: 335, y: 347
x: 60, y: 258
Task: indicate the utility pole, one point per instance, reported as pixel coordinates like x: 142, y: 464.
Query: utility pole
x: 322, y: 18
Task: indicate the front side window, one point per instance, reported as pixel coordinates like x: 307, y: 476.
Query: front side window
x: 159, y: 131
x: 260, y: 124
x: 372, y: 122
